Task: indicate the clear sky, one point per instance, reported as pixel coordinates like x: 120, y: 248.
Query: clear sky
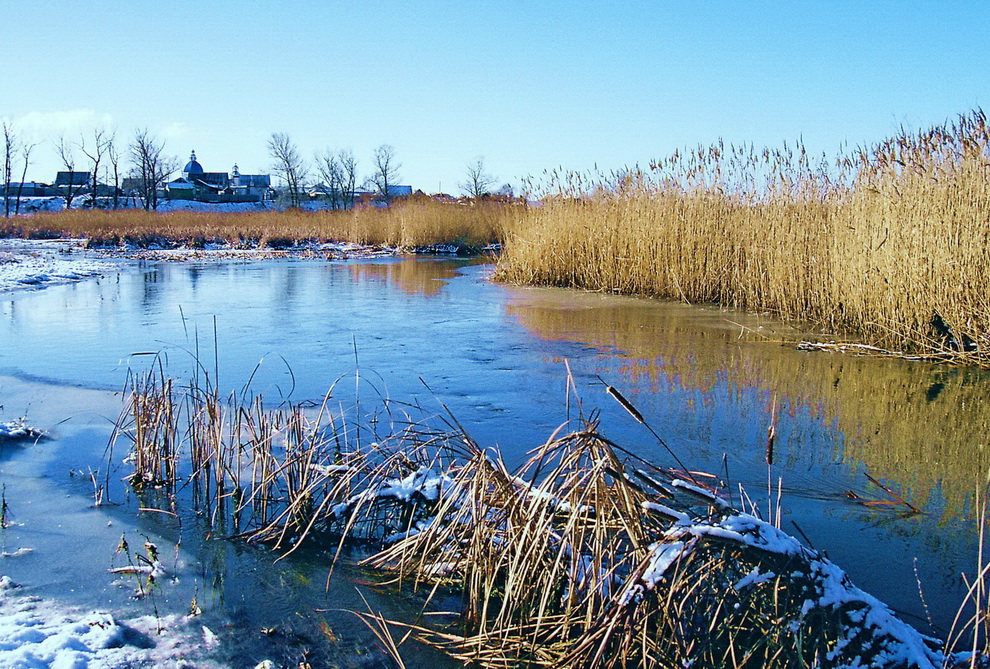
x: 527, y: 85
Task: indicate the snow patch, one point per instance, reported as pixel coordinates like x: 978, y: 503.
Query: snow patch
x: 35, y: 632
x: 36, y: 263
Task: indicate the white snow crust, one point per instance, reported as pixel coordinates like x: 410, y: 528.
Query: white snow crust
x: 36, y: 633
x: 36, y: 263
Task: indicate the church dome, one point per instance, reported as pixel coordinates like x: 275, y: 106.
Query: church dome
x: 192, y: 167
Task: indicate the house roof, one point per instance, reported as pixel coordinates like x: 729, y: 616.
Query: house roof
x: 72, y: 178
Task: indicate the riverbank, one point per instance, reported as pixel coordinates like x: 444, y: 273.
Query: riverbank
x: 886, y: 245
x: 415, y: 223
x: 36, y: 632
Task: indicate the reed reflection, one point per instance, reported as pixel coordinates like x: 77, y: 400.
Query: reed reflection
x: 413, y: 278
x: 924, y: 428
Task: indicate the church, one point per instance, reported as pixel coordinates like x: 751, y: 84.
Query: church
x: 202, y: 186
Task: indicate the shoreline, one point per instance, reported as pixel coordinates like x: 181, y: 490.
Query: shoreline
x: 38, y: 263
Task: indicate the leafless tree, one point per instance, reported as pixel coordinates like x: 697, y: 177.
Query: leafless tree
x: 338, y: 170
x: 9, y: 148
x: 478, y: 182
x: 288, y: 165
x: 348, y: 168
x: 66, y: 153
x: 506, y: 191
x: 26, y: 149
x: 95, y: 152
x: 150, y: 166
x: 386, y: 173
x: 113, y: 170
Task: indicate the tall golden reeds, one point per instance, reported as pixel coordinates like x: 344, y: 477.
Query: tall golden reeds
x: 890, y: 243
x: 415, y: 222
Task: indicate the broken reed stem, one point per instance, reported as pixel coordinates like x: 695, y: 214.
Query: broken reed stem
x: 771, y: 435
x: 634, y: 412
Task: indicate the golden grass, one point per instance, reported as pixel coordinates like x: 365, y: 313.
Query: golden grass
x: 413, y: 223
x: 585, y: 556
x: 874, y: 246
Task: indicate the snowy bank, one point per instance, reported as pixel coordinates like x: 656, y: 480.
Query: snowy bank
x: 35, y: 632
x: 32, y: 263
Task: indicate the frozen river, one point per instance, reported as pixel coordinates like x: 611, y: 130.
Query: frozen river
x: 431, y: 330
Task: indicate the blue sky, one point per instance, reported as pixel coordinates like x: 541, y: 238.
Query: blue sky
x: 528, y: 85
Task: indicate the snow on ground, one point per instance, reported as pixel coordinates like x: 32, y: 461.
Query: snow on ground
x: 34, y: 205
x: 32, y: 263
x: 35, y: 632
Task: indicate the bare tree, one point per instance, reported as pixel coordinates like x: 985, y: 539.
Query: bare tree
x: 288, y: 165
x: 9, y: 148
x: 348, y: 169
x: 113, y: 155
x: 478, y: 182
x: 386, y: 173
x: 151, y: 167
x: 26, y: 150
x: 68, y: 157
x: 338, y: 170
x: 96, y: 151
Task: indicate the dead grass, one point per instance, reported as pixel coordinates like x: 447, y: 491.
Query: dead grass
x: 581, y: 557
x: 876, y: 244
x: 416, y: 222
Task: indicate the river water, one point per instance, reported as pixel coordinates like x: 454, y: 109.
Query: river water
x: 433, y: 331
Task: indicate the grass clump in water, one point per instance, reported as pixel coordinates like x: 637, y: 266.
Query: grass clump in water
x: 582, y: 557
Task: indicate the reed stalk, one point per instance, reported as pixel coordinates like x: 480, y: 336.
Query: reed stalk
x: 579, y: 558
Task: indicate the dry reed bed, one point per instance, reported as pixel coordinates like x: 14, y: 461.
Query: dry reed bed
x: 583, y: 557
x: 413, y: 223
x: 874, y: 246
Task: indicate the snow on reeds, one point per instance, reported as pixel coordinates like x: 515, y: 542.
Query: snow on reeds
x: 890, y: 243
x: 581, y: 557
x: 417, y: 222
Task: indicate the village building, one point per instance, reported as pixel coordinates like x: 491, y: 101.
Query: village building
x: 74, y: 182
x: 202, y: 186
x: 27, y: 189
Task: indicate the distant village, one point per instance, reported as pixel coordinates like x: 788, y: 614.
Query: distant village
x: 195, y: 185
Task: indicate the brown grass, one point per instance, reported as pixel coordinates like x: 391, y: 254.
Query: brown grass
x: 579, y: 558
x: 875, y: 245
x: 412, y: 223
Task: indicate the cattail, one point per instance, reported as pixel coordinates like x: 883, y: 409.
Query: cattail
x: 626, y: 404
x: 771, y: 432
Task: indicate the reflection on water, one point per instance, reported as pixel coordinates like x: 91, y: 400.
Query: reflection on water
x: 923, y: 427
x: 426, y: 277
x: 705, y: 379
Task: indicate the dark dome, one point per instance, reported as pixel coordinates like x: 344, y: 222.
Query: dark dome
x: 193, y: 167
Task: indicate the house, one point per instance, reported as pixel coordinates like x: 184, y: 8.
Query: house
x: 73, y: 180
x: 200, y: 185
x: 247, y: 187
x: 399, y: 191
x: 133, y: 185
x: 28, y: 189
